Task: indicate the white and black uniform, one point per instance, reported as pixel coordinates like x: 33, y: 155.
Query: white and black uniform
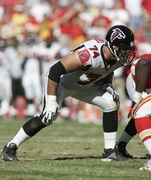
x: 86, y: 85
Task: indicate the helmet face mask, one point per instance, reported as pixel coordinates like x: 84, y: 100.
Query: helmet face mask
x: 120, y: 41
x: 125, y: 56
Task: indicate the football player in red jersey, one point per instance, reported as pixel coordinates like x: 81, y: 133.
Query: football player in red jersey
x: 85, y: 74
x: 139, y: 89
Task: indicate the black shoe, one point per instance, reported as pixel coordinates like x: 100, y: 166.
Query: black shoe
x: 112, y: 154
x: 122, y: 149
x: 9, y: 153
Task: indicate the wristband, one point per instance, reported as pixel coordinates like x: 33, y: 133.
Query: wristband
x: 51, y: 104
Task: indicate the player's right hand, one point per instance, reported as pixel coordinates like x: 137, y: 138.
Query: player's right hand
x: 49, y: 117
x: 50, y: 111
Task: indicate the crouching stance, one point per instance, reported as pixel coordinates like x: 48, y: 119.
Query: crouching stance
x: 139, y: 89
x: 85, y: 74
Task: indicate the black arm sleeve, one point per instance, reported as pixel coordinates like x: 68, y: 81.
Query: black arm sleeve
x: 56, y: 71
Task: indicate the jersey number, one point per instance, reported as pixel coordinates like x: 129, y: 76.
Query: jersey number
x: 95, y: 51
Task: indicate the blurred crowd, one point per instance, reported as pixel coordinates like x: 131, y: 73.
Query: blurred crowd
x: 35, y: 33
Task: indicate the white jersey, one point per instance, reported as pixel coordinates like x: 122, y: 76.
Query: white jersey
x: 14, y: 62
x: 4, y: 70
x: 85, y: 84
x: 95, y: 72
x: 47, y: 54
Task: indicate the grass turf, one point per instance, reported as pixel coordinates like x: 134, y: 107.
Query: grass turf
x: 68, y: 151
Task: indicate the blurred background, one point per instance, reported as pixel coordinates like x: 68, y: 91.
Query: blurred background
x: 35, y: 33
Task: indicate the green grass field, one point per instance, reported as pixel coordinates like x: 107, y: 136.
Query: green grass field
x: 68, y: 151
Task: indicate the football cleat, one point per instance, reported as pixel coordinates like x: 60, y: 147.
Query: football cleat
x: 122, y: 149
x: 112, y: 154
x: 146, y: 167
x: 9, y: 153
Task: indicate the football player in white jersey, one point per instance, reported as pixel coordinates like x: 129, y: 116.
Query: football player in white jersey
x: 139, y: 89
x: 5, y: 85
x: 85, y: 74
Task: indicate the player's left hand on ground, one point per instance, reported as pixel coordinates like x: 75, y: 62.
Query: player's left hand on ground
x: 109, y: 88
x: 50, y: 112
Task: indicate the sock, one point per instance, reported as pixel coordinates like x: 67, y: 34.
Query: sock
x: 33, y: 126
x: 110, y: 125
x: 110, y: 121
x: 130, y: 128
x: 109, y: 140
x: 124, y: 138
x: 128, y: 133
x: 20, y: 137
x: 29, y: 129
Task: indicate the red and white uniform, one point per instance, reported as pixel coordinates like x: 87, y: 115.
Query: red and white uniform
x: 145, y: 105
x: 86, y: 84
x: 142, y: 113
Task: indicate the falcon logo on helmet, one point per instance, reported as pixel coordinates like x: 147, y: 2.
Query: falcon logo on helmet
x: 117, y: 33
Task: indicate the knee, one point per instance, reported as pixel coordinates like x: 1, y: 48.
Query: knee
x: 111, y: 106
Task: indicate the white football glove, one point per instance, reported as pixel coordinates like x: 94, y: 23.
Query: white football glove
x: 109, y: 88
x: 50, y: 112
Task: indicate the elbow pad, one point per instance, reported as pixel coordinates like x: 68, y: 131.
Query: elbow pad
x: 56, y: 71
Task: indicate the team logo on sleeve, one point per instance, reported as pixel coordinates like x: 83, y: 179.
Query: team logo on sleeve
x: 81, y: 55
x: 117, y: 33
x: 84, y: 55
